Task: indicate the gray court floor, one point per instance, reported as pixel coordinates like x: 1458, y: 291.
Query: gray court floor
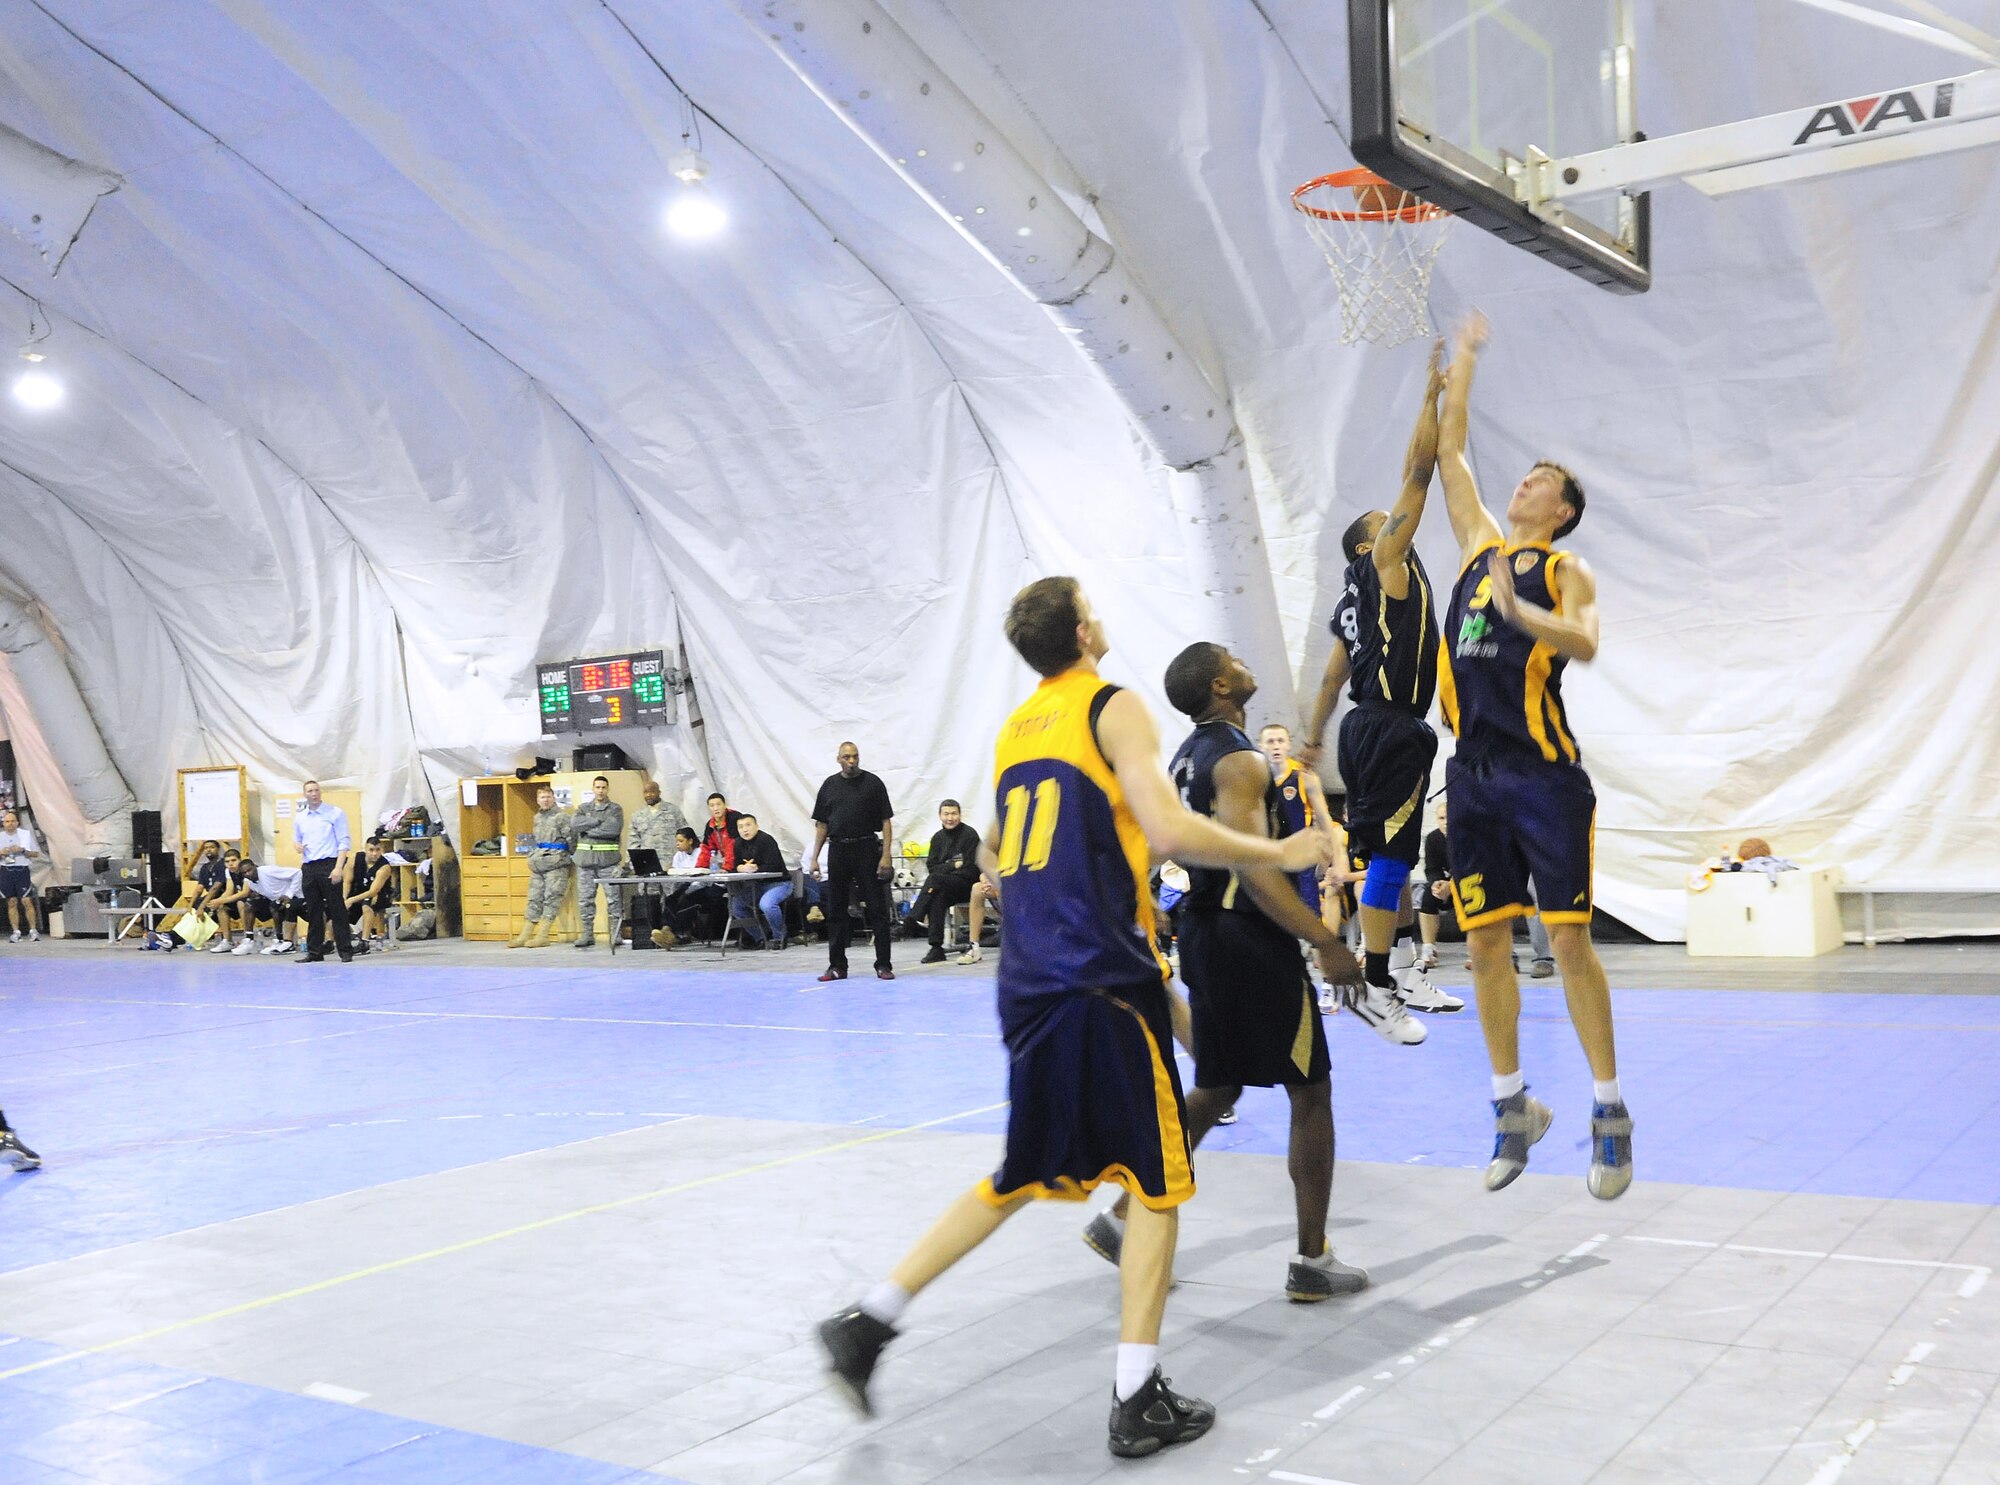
x: 647, y: 1299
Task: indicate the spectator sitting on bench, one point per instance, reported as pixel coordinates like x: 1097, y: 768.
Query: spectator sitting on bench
x: 677, y: 909
x: 369, y: 889
x: 954, y: 867
x: 719, y: 835
x: 229, y: 905
x: 686, y: 846
x: 273, y: 897
x: 758, y: 852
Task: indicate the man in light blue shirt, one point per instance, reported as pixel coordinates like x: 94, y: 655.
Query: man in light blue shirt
x: 325, y: 846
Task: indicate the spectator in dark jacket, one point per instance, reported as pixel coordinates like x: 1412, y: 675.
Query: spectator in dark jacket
x: 954, y: 867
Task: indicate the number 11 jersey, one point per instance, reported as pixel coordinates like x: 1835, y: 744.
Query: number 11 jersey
x: 1075, y: 908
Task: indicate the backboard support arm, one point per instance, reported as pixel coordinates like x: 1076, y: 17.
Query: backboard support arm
x: 1907, y: 123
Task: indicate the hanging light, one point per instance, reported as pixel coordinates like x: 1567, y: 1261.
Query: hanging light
x: 39, y: 390
x: 694, y: 211
x: 36, y: 388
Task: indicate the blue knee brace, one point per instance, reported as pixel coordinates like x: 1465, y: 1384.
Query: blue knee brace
x: 1383, y: 886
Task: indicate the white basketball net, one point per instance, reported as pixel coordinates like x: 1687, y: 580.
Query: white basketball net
x: 1381, y: 262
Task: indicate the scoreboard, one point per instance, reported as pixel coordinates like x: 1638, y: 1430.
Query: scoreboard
x: 609, y: 691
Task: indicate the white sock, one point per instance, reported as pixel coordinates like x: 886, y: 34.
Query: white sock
x: 886, y: 1302
x: 1135, y: 1365
x: 1606, y: 1091
x: 1506, y: 1085
x: 1325, y: 1259
x: 1402, y: 954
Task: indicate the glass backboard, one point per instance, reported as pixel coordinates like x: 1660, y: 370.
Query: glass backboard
x: 1452, y: 98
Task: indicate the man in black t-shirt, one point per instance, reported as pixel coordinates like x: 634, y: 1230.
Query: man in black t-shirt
x: 954, y: 867
x: 855, y: 826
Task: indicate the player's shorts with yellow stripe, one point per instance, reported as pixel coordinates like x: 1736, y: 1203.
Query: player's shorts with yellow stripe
x: 1518, y: 820
x: 1096, y: 1098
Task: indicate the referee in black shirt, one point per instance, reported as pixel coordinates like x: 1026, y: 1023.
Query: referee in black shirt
x: 855, y: 825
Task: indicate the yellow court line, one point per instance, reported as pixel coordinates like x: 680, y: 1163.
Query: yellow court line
x: 491, y: 1237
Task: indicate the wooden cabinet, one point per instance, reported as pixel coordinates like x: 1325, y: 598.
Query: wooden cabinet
x: 494, y: 888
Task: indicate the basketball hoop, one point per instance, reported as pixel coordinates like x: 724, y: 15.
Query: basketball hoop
x: 1380, y: 241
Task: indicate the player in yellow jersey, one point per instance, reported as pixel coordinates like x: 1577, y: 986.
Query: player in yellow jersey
x: 1522, y: 807
x: 1083, y: 807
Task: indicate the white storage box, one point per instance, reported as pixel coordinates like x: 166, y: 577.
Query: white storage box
x: 1750, y: 915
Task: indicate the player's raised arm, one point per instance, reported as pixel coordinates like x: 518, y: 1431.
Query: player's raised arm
x: 1335, y: 676
x: 1471, y: 522
x: 1131, y: 745
x: 1571, y: 633
x: 1391, y: 549
x: 1241, y: 780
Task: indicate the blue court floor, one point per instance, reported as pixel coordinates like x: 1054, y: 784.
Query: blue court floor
x: 167, y: 1094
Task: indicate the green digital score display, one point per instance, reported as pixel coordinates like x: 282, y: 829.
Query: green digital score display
x: 606, y: 691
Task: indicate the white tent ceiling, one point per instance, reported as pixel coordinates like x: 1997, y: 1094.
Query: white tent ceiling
x: 385, y: 382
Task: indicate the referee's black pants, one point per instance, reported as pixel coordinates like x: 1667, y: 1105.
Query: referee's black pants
x: 323, y: 905
x: 854, y: 866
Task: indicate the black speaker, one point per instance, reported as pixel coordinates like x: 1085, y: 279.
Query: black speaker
x: 163, y: 876
x: 146, y: 837
x: 606, y: 756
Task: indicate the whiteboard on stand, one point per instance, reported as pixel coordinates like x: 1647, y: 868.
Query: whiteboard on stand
x: 212, y: 804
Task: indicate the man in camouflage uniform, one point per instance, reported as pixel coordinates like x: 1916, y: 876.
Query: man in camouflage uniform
x: 654, y: 825
x: 600, y: 848
x: 549, y: 868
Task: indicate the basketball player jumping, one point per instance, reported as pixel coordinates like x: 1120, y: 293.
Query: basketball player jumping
x: 1522, y: 808
x: 1386, y: 643
x: 1083, y: 806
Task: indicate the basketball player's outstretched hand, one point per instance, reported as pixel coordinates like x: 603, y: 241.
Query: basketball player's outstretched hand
x: 1436, y: 385
x: 1339, y: 965
x: 1473, y: 332
x: 1505, y: 601
x: 1307, y: 851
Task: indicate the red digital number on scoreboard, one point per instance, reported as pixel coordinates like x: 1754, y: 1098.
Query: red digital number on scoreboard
x: 621, y: 675
x: 593, y: 677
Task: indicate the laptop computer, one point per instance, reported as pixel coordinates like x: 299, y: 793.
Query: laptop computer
x: 646, y: 863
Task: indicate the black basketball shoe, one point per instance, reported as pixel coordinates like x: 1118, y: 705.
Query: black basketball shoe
x: 1156, y: 1416
x: 854, y: 1340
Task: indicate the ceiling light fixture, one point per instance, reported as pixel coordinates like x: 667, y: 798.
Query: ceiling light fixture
x: 35, y: 388
x: 694, y: 211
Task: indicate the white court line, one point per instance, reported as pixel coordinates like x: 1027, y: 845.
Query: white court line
x: 1297, y: 1479
x: 1976, y: 1274
x: 328, y: 1392
x: 1836, y: 1466
x: 352, y: 1010
x: 1334, y: 1407
x: 133, y: 1402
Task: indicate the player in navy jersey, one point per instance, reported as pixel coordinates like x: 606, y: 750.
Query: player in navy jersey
x: 1301, y: 802
x: 1083, y: 805
x: 1256, y: 1018
x: 1522, y: 808
x: 1385, y: 652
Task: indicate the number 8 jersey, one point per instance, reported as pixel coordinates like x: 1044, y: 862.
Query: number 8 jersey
x: 1075, y: 907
